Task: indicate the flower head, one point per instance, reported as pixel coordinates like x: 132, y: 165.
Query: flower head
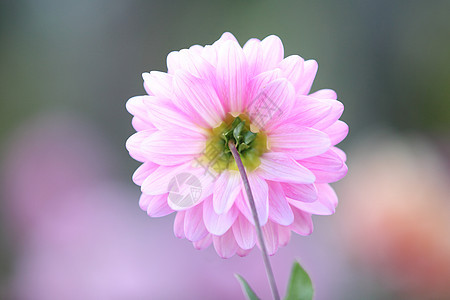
x: 261, y: 101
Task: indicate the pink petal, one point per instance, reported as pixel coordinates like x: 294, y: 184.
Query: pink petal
x: 197, y: 98
x: 232, y: 76
x: 284, y: 235
x: 203, y: 243
x: 260, y: 191
x: 166, y: 160
x: 241, y: 252
x: 300, y: 192
x: 192, y: 62
x: 298, y: 142
x: 302, y: 222
x: 271, y: 103
x: 326, y: 201
x: 225, y: 244
x: 226, y: 189
x: 337, y: 132
x: 270, y: 234
x: 244, y: 208
x: 158, y: 84
x: 307, y: 112
x: 279, y: 208
x: 210, y: 54
x: 171, y: 142
x: 189, y: 187
x: 307, y: 78
x: 144, y: 200
x: 244, y: 233
x: 138, y: 106
x: 327, y: 167
x: 143, y: 171
x: 272, y: 52
x: 158, y: 182
x: 328, y: 161
x: 215, y: 223
x: 197, y: 49
x: 165, y: 115
x: 340, y: 153
x: 139, y: 124
x: 178, y: 225
x: 206, y: 176
x: 324, y: 94
x: 171, y: 147
x: 157, y: 205
x: 146, y: 88
x: 326, y: 176
x: 173, y: 62
x: 259, y: 83
x: 277, y: 166
x: 292, y: 69
x: 226, y: 36
x: 134, y: 143
x: 194, y: 228
x: 253, y: 55
x: 337, y: 108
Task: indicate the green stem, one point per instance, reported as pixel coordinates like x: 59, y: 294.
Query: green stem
x: 237, y: 158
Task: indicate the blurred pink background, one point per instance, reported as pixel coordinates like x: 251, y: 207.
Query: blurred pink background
x: 71, y: 227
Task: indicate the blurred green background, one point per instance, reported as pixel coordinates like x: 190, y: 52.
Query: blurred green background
x: 389, y: 62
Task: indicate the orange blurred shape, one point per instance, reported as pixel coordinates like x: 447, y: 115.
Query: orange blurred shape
x: 395, y: 213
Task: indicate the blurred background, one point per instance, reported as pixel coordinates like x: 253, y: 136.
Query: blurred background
x: 71, y: 227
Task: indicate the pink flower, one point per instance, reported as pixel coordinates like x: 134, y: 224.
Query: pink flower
x: 285, y: 135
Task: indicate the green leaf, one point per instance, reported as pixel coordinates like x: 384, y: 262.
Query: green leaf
x: 226, y: 135
x: 243, y: 147
x: 249, y: 137
x: 237, y: 131
x: 236, y: 122
x: 246, y: 289
x: 300, y: 285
